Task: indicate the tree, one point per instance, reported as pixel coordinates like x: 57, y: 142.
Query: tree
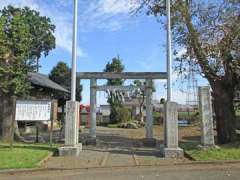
x: 61, y: 74
x: 113, y: 99
x: 41, y: 31
x: 140, y: 95
x: 209, y: 33
x: 17, y: 44
x: 162, y: 101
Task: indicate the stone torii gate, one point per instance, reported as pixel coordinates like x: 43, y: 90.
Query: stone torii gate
x: 147, y: 76
x: 170, y: 149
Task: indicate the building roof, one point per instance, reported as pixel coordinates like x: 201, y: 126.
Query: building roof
x: 43, y: 81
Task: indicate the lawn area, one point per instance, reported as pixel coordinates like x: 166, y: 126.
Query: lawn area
x: 23, y: 155
x: 225, y: 152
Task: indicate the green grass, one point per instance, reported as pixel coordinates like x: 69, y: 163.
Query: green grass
x: 215, y: 154
x: 23, y: 155
x: 225, y: 152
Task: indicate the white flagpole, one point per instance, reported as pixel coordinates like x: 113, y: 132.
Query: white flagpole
x: 74, y: 52
x: 169, y: 51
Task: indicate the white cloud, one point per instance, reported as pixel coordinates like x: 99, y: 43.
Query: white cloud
x: 104, y: 15
x: 118, y: 6
x: 62, y: 20
x: 107, y: 15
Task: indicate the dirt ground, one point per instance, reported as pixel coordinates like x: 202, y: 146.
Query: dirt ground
x: 185, y: 133
x: 117, y: 147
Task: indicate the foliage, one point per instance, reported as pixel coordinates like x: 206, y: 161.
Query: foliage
x: 191, y: 115
x: 24, y: 35
x: 61, y: 74
x: 114, y: 66
x: 120, y: 114
x: 113, y: 99
x: 162, y: 101
x: 23, y: 155
x: 207, y: 40
x: 140, y: 95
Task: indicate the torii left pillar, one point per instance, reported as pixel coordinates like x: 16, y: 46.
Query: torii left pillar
x: 149, y: 118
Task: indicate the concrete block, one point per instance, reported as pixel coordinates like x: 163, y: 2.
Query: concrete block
x: 70, y: 150
x: 172, y: 153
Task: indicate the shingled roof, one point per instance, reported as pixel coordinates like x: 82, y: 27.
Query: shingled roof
x: 44, y: 81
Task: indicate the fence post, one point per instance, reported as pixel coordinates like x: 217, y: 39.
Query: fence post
x: 52, y: 119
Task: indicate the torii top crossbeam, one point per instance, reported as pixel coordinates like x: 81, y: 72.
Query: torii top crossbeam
x: 122, y: 75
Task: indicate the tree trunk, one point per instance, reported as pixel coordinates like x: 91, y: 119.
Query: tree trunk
x: 6, y: 122
x: 141, y: 108
x: 1, y: 113
x: 6, y: 118
x: 225, y: 114
x: 141, y: 114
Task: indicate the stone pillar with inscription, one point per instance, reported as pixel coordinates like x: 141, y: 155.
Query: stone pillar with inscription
x: 72, y: 147
x: 171, y: 148
x: 205, y: 107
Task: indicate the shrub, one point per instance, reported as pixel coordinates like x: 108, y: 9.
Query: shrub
x: 119, y: 114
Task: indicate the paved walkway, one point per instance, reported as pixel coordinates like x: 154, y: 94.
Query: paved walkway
x: 115, y: 148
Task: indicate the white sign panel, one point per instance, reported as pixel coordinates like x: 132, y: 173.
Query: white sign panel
x: 33, y: 111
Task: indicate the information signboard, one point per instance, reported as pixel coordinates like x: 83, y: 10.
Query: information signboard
x: 39, y: 110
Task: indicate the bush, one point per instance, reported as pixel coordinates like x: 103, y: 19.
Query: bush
x: 119, y: 114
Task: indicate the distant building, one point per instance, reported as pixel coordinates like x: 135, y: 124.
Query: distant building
x: 44, y: 88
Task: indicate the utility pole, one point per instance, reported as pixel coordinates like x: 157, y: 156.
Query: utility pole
x: 74, y: 52
x: 169, y: 51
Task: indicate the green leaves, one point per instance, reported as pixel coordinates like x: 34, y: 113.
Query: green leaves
x: 61, y: 74
x: 115, y: 66
x: 24, y: 36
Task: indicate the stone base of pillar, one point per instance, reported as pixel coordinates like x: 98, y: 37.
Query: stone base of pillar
x: 172, y: 153
x: 207, y: 147
x: 70, y: 150
x: 91, y: 141
x: 149, y: 142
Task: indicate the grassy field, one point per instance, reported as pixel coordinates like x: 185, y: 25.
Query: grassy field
x: 224, y: 152
x: 23, y: 155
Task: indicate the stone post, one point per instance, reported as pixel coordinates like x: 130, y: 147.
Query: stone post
x: 170, y: 148
x: 72, y: 147
x: 205, y: 108
x: 93, y: 107
x: 149, y: 109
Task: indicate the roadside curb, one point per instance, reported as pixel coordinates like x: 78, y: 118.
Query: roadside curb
x: 50, y: 154
x: 32, y: 170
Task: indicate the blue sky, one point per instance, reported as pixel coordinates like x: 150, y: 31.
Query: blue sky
x: 106, y: 29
